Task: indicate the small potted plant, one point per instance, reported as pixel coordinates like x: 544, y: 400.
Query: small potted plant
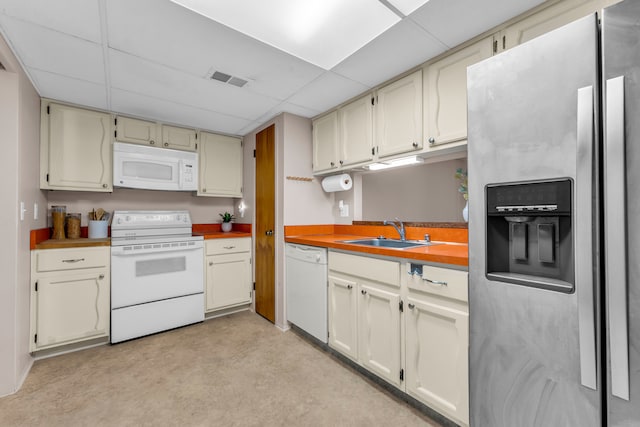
x: 463, y: 189
x: 226, y: 221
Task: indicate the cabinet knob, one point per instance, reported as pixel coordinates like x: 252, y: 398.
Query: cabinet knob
x: 104, y: 185
x: 432, y: 140
x: 415, y: 145
x: 152, y: 142
x: 204, y: 190
x: 332, y: 164
x: 363, y: 292
x: 210, y: 262
x: 100, y: 277
x: 349, y: 286
x: 166, y: 144
x: 411, y: 306
x: 341, y: 162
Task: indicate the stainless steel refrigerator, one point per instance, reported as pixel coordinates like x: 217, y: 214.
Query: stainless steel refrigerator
x: 554, y: 227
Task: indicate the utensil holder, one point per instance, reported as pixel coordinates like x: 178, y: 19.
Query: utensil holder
x: 98, y: 229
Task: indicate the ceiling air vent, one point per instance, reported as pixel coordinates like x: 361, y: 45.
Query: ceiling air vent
x: 236, y: 81
x: 221, y: 77
x: 226, y: 78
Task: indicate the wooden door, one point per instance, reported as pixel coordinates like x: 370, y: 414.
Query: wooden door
x: 265, y: 223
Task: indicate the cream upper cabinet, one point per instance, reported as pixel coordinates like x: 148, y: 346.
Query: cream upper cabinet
x: 228, y: 273
x: 179, y: 138
x: 343, y: 316
x: 220, y: 165
x: 325, y: 143
x: 398, y: 116
x: 437, y: 340
x: 356, y: 132
x: 445, y: 95
x: 75, y: 149
x: 548, y: 19
x: 137, y: 131
x: 70, y: 291
x: 344, y: 137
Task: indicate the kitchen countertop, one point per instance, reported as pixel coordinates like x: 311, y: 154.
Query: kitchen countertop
x: 222, y: 235
x: 449, y: 253
x: 72, y: 243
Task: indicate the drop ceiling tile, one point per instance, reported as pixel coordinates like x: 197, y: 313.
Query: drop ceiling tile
x: 55, y: 52
x: 454, y: 22
x: 184, y: 115
x: 62, y: 88
x: 141, y: 76
x: 327, y: 91
x: 401, y: 48
x: 186, y: 41
x: 80, y: 18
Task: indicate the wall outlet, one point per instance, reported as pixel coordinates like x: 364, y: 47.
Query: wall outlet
x: 344, y: 210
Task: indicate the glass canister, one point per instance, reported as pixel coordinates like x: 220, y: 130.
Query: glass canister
x: 58, y: 214
x: 73, y: 226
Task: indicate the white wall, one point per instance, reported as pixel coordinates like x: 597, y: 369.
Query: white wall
x: 425, y: 193
x: 19, y: 138
x: 203, y: 210
x: 304, y: 202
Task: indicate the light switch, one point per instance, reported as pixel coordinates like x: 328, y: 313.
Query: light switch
x: 22, y: 211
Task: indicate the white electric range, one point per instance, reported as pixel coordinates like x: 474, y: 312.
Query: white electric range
x: 157, y: 276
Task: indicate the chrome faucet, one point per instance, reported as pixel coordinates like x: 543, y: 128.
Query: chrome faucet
x: 399, y: 228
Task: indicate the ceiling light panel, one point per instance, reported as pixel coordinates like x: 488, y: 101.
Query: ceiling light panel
x: 322, y: 32
x: 407, y: 6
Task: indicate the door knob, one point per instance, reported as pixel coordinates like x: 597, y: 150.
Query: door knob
x: 269, y: 232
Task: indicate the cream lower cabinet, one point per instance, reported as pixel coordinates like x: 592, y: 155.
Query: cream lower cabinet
x: 437, y: 341
x: 70, y: 291
x: 228, y: 273
x: 220, y: 165
x: 75, y: 148
x: 343, y: 315
x: 364, y: 313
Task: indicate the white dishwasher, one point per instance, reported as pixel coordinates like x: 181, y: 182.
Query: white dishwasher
x: 306, y: 282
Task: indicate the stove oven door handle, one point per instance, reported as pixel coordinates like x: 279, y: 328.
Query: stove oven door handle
x: 146, y: 251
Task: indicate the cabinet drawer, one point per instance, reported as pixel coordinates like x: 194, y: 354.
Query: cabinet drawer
x: 228, y: 246
x: 440, y: 281
x: 377, y: 270
x: 71, y: 259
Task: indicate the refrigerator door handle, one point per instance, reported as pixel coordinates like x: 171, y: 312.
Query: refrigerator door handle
x: 615, y: 236
x: 584, y: 238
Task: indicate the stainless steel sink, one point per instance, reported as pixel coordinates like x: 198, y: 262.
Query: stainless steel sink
x: 389, y: 243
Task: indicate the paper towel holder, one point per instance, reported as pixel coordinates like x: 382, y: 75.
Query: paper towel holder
x: 341, y: 182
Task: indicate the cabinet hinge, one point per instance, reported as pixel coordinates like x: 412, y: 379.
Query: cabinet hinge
x: 254, y: 286
x: 254, y: 154
x: 401, y: 374
x: 373, y: 101
x: 373, y: 151
x: 504, y: 42
x: 48, y: 110
x: 47, y: 177
x: 115, y: 134
x: 401, y: 306
x: 36, y: 286
x: 196, y: 136
x: 35, y: 338
x: 196, y: 146
x: 495, y: 46
x: 115, y: 121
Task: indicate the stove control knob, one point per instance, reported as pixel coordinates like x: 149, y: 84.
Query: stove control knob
x: 128, y: 218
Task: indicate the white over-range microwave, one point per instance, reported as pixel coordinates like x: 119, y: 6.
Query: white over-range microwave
x: 152, y: 168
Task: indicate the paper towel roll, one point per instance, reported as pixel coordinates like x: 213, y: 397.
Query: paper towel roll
x: 337, y: 183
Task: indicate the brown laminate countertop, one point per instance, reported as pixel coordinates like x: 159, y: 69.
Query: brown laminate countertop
x: 222, y: 235
x: 454, y: 253
x: 72, y: 243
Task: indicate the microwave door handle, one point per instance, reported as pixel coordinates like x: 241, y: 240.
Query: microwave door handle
x: 615, y: 236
